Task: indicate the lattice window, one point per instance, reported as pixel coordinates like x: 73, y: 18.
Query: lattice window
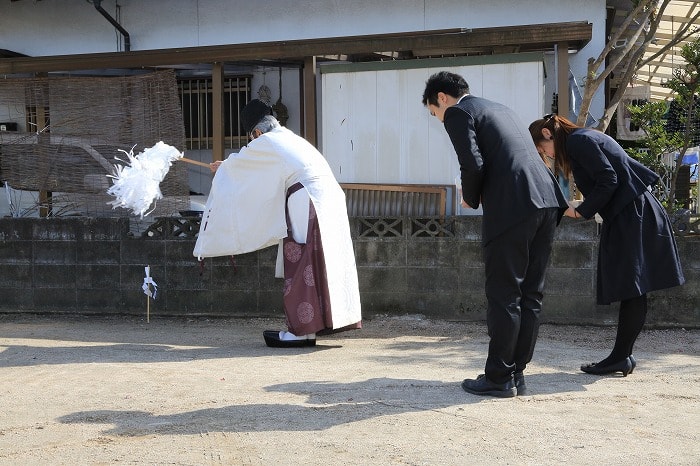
x: 32, y: 120
x: 196, y: 99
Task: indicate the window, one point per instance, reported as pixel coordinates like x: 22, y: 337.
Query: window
x: 33, y: 115
x: 196, y: 100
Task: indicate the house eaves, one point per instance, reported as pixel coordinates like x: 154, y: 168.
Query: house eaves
x: 446, y: 42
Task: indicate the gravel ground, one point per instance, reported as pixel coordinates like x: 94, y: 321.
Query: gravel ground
x: 118, y: 390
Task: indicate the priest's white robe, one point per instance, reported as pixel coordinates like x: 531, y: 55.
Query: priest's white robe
x: 245, y: 211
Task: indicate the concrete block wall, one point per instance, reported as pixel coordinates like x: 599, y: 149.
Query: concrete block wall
x: 94, y: 266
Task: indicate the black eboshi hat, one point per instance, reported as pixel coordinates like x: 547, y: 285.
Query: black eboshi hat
x: 253, y: 113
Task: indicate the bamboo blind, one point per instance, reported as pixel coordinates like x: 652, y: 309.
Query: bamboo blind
x: 74, y: 128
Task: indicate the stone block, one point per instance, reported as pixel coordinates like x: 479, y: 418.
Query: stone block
x: 183, y: 277
x: 668, y: 309
x: 97, y: 277
x: 99, y: 252
x: 380, y: 253
x: 16, y: 276
x: 270, y: 303
x: 241, y: 303
x: 434, y: 252
x: 573, y: 254
x: 579, y: 310
x: 186, y: 302
x: 471, y: 307
x: 432, y: 279
x: 387, y: 279
x: 55, y: 299
x: 54, y: 276
x: 140, y: 251
x: 244, y: 277
x: 570, y: 229
x: 179, y: 252
x: 16, y: 252
x: 264, y: 257
x: 100, y: 301
x: 570, y: 282
x: 134, y: 301
x: 55, y: 229
x: 470, y: 254
x: 472, y: 280
x: 15, y: 298
x: 12, y: 229
x: 55, y: 252
x: 446, y: 306
x: 267, y: 280
x: 102, y: 228
x: 468, y: 227
x: 689, y: 252
x: 382, y: 303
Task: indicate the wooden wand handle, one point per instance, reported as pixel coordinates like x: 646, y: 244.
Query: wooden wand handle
x: 194, y: 162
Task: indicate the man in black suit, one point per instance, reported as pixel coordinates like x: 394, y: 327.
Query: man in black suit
x: 522, y: 205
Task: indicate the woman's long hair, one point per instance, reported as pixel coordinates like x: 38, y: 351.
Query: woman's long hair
x: 560, y: 128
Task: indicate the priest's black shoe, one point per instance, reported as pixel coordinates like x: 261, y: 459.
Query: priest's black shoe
x: 272, y: 339
x: 596, y: 368
x: 483, y: 386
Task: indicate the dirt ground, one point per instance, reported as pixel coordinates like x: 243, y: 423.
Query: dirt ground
x: 119, y: 390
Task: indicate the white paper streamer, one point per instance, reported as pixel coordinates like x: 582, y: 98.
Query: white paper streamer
x: 147, y: 281
x: 137, y: 185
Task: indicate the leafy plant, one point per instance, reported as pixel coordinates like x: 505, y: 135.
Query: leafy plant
x: 626, y: 61
x: 671, y: 127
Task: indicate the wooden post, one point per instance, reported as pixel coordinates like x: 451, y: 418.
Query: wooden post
x: 309, y: 100
x: 564, y: 103
x: 217, y: 91
x: 45, y: 200
x: 563, y: 79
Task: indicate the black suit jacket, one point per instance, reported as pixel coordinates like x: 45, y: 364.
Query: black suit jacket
x: 607, y: 177
x: 499, y: 165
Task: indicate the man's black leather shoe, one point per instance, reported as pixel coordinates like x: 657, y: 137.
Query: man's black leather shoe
x: 483, y: 386
x: 519, y: 380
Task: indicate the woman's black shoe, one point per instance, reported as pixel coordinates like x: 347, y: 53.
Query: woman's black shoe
x: 634, y: 363
x: 624, y: 366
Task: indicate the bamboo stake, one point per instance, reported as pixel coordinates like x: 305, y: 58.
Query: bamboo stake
x: 148, y: 301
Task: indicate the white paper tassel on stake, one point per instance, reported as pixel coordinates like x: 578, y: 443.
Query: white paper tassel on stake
x: 146, y: 287
x: 137, y: 185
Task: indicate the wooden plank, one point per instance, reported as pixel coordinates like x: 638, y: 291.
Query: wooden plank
x: 371, y: 199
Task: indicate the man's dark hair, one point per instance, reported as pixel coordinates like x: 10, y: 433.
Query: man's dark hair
x: 443, y: 81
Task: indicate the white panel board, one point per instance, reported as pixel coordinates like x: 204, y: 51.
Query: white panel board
x: 376, y: 130
x: 337, y: 92
x: 391, y: 108
x: 363, y: 117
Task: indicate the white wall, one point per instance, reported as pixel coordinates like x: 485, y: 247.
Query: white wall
x: 376, y: 129
x: 55, y: 27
